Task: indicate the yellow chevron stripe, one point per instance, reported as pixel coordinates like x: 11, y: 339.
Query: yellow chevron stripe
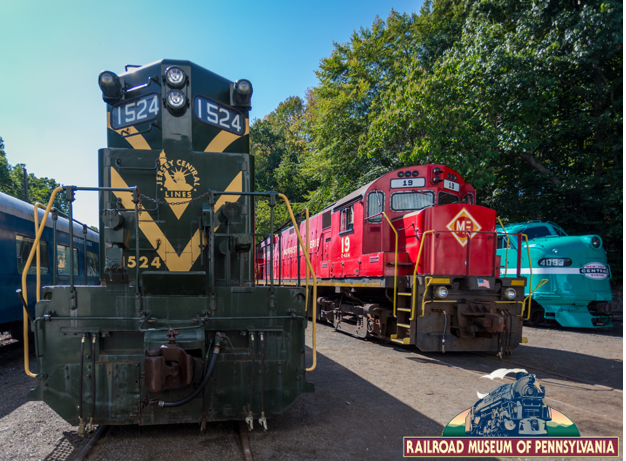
x: 153, y: 232
x: 225, y: 139
x: 137, y: 141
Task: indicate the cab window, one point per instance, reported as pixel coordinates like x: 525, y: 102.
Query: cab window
x: 347, y: 219
x: 502, y: 241
x: 469, y: 199
x: 411, y: 201
x: 536, y: 232
x: 375, y: 205
x: 445, y: 198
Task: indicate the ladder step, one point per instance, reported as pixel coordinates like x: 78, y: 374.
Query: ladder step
x: 402, y: 341
x: 402, y: 309
x: 404, y: 294
x: 403, y: 325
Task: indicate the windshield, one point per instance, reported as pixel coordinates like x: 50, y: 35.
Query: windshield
x: 536, y: 232
x: 411, y: 201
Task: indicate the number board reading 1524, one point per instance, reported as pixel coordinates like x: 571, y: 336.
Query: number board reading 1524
x: 135, y: 111
x: 218, y: 115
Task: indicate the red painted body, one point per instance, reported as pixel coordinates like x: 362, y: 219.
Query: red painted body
x: 367, y: 249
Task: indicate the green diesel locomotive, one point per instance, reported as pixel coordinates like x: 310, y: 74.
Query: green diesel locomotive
x: 178, y: 332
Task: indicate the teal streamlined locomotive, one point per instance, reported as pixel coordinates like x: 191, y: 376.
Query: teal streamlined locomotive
x: 177, y: 331
x: 577, y: 292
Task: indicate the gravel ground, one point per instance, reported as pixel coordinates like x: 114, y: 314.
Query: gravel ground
x: 368, y: 396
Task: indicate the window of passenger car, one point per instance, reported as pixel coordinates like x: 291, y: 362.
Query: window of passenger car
x: 63, y: 260
x: 92, y: 264
x: 347, y: 219
x: 375, y: 205
x: 411, y: 201
x: 23, y: 246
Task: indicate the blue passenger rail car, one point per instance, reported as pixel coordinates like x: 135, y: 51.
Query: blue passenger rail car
x: 17, y: 234
x: 577, y: 292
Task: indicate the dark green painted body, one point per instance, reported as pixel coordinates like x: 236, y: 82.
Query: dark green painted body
x: 181, y: 281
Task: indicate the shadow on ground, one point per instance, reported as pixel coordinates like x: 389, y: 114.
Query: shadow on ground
x: 346, y: 418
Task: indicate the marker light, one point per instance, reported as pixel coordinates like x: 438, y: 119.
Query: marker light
x: 176, y: 100
x: 111, y: 87
x: 175, y: 76
x: 596, y: 242
x: 416, y: 174
x: 243, y: 86
x: 241, y: 93
x: 510, y: 293
x: 400, y: 174
x: 441, y: 292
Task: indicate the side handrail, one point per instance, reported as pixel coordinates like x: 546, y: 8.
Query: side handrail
x: 395, y: 269
x: 539, y: 285
x: 530, y: 263
x: 310, y: 266
x: 506, y: 262
x: 417, y: 262
x: 306, y: 299
x: 34, y: 249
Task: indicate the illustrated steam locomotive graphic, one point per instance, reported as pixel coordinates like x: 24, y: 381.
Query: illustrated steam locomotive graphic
x: 515, y: 409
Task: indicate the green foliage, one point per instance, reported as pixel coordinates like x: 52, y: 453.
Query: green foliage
x: 523, y: 99
x: 39, y: 189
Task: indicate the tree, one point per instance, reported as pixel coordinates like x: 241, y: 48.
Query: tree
x: 528, y: 106
x: 39, y: 189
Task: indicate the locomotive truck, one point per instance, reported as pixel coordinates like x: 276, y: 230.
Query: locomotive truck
x: 409, y: 258
x: 177, y: 331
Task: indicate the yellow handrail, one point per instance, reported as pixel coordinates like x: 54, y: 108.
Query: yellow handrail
x: 506, y: 263
x: 310, y: 266
x: 530, y: 263
x: 34, y: 249
x: 306, y: 299
x: 395, y: 269
x: 539, y: 285
x: 419, y: 256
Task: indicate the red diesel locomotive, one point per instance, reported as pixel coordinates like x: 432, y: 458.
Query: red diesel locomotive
x: 409, y: 258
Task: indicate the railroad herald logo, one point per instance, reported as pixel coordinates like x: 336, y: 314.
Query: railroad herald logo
x: 178, y: 179
x: 462, y: 225
x: 511, y: 421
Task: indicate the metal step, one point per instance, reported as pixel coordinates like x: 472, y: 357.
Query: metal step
x: 404, y: 341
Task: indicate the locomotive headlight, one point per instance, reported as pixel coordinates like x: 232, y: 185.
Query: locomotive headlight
x: 441, y: 291
x: 596, y: 242
x: 175, y: 77
x: 176, y: 100
x: 510, y: 293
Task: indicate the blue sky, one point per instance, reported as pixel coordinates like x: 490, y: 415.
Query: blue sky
x: 52, y: 117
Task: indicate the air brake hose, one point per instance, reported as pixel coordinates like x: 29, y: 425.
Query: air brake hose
x: 205, y: 381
